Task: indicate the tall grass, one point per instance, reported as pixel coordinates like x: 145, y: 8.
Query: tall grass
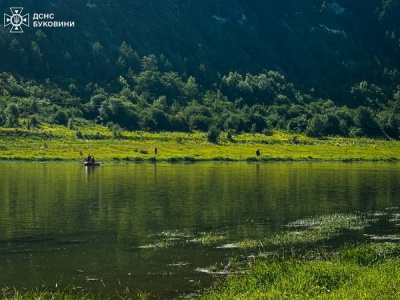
x: 364, y: 272
x: 69, y: 293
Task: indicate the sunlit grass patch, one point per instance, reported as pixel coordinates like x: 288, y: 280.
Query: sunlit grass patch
x: 390, y: 237
x: 364, y: 272
x: 370, y: 254
x: 69, y: 293
x: 309, y: 231
x: 167, y: 239
x: 331, y: 222
x: 162, y: 244
x: 244, y: 244
x: 207, y: 238
x: 44, y: 293
x: 175, y: 234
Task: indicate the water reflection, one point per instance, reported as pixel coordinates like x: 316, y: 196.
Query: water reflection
x: 71, y: 222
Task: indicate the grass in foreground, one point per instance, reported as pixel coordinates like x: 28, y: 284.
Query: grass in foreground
x: 59, y: 143
x: 69, y: 293
x: 364, y: 272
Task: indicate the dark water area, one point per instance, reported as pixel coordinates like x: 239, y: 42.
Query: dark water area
x: 64, y: 224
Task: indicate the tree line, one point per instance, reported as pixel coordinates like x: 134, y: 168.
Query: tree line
x: 151, y: 96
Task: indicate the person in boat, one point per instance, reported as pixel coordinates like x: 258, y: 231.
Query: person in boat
x: 93, y: 161
x: 89, y: 158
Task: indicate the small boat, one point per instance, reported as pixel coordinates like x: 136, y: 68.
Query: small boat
x: 90, y: 164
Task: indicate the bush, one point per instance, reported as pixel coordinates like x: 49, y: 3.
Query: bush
x: 213, y: 134
x: 34, y: 121
x: 229, y: 135
x: 12, y: 115
x: 268, y: 132
x: 79, y: 135
x: 116, y: 131
x: 61, y: 118
x: 71, y: 125
x: 316, y: 127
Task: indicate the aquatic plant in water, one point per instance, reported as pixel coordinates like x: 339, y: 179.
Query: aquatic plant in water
x: 308, y: 230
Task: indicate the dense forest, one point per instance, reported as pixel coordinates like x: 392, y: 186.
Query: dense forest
x: 318, y: 67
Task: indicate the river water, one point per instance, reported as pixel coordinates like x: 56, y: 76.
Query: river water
x: 103, y: 228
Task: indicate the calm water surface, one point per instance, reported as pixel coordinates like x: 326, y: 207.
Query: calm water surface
x: 65, y: 224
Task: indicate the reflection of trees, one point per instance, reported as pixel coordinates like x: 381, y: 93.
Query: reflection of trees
x: 132, y: 201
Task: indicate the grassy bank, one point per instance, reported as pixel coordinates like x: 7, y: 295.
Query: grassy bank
x: 369, y: 270
x: 60, y: 143
x: 364, y: 272
x: 69, y: 293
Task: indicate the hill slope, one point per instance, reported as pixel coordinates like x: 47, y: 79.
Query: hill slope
x: 344, y: 50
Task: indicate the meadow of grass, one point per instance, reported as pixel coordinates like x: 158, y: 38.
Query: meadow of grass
x: 51, y: 142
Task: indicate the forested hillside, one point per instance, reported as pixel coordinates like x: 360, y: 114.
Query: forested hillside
x: 319, y: 67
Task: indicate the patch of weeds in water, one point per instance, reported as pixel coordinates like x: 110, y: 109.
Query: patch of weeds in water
x: 310, y: 230
x: 179, y: 264
x: 296, y: 237
x: 208, y: 239
x: 244, y: 244
x: 384, y: 238
x: 232, y: 266
x: 167, y: 239
x: 175, y: 234
x: 395, y: 218
x: 332, y: 222
x: 162, y: 244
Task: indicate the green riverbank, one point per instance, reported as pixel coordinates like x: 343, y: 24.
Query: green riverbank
x: 57, y: 143
x: 364, y: 272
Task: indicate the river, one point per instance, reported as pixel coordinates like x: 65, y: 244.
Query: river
x: 135, y: 226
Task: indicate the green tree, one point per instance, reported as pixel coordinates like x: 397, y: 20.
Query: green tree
x: 317, y: 126
x: 366, y: 122
x: 12, y: 115
x: 213, y: 134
